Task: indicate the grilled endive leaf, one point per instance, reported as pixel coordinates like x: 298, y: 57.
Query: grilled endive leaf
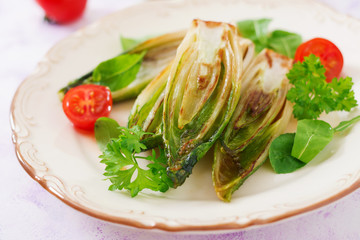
x: 148, y: 58
x: 148, y: 106
x: 260, y: 116
x: 201, y: 94
x: 148, y: 109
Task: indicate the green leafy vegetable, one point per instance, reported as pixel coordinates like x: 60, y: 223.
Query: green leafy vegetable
x: 280, y: 154
x: 346, y: 124
x: 148, y: 107
x: 201, y: 93
x: 289, y: 152
x: 123, y: 170
x: 118, y: 72
x: 130, y: 72
x: 256, y: 30
x: 311, y: 137
x: 129, y: 43
x: 260, y: 116
x: 280, y: 41
x: 105, y: 130
x: 312, y: 95
x: 284, y: 42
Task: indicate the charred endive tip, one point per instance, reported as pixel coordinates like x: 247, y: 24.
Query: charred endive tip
x: 261, y: 115
x: 201, y: 93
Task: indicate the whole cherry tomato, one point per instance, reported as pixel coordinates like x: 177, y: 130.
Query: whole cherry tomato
x: 84, y: 104
x: 329, y: 54
x: 62, y: 11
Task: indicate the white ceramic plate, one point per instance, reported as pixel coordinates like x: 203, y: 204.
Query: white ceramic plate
x: 65, y: 161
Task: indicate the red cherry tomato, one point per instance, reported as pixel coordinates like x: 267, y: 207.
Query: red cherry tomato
x: 62, y: 11
x: 84, y: 104
x: 330, y: 55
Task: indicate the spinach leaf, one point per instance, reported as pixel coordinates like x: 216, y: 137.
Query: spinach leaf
x: 255, y: 30
x: 284, y: 42
x: 311, y: 137
x: 345, y: 124
x: 289, y: 152
x: 119, y: 71
x: 106, y: 129
x: 280, y: 154
x: 280, y: 41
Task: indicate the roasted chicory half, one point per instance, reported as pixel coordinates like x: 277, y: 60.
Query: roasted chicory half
x: 148, y: 106
x: 201, y: 93
x: 129, y: 73
x: 261, y: 115
x: 147, y: 110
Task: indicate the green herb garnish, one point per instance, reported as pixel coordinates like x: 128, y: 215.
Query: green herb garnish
x: 280, y: 154
x: 289, y: 152
x: 311, y: 137
x: 312, y: 95
x: 280, y: 41
x: 119, y: 71
x: 121, y: 156
x: 129, y: 43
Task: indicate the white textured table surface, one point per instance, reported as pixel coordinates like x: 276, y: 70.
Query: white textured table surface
x: 27, y: 211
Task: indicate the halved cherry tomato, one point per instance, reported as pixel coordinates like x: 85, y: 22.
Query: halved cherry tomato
x: 62, y: 11
x: 84, y: 104
x: 329, y: 54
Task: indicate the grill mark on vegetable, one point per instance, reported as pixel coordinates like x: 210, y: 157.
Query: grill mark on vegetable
x: 209, y: 24
x: 211, y: 89
x: 185, y: 147
x: 204, y: 129
x: 225, y: 37
x: 268, y: 58
x: 239, y: 148
x: 245, y: 53
x: 258, y: 102
x: 154, y: 56
x: 202, y: 83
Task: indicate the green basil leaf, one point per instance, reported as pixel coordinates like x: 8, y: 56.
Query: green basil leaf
x: 280, y: 154
x: 256, y: 30
x: 129, y: 43
x: 311, y: 137
x: 106, y: 129
x: 284, y: 42
x: 119, y: 71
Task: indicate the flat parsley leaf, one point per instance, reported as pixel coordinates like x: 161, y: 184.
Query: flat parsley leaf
x: 312, y: 95
x: 123, y: 169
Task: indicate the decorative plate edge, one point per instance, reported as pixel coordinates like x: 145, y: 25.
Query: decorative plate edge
x: 226, y: 225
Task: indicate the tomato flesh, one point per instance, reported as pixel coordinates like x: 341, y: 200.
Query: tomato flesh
x: 62, y: 11
x: 329, y: 54
x: 84, y: 104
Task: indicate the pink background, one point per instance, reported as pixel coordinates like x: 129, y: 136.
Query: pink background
x: 27, y: 211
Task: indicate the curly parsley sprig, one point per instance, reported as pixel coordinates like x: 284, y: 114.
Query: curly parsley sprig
x: 312, y: 95
x: 123, y: 170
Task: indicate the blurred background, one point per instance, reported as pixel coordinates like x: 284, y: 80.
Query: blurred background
x: 27, y: 211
